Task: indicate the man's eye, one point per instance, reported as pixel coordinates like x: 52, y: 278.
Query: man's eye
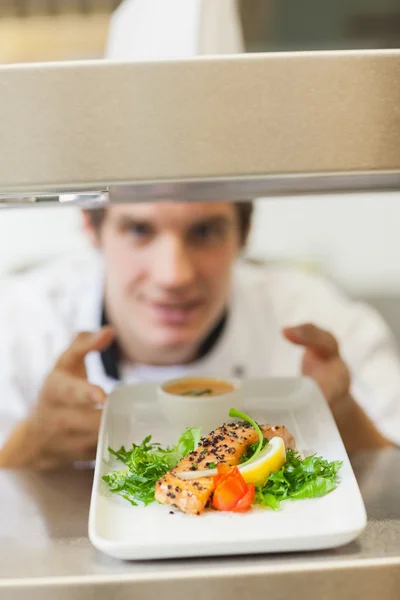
x: 139, y: 230
x: 208, y: 232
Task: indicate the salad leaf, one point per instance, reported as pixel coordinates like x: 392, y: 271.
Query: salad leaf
x: 188, y: 441
x: 320, y: 486
x: 146, y: 463
x: 297, y: 479
x: 266, y: 499
x: 236, y: 414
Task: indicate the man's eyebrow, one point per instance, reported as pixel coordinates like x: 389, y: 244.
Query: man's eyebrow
x: 128, y: 221
x: 212, y: 220
x: 125, y: 221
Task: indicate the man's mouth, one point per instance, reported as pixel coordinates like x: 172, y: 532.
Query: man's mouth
x: 174, y: 313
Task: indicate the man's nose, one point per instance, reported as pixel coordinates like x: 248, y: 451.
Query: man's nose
x: 173, y: 266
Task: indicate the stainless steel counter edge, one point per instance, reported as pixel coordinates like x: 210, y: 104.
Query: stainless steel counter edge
x: 205, y: 573
x: 361, y: 581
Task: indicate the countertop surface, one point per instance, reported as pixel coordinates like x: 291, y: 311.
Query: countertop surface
x: 45, y: 551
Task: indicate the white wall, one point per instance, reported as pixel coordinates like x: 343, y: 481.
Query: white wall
x: 353, y: 239
x: 28, y: 236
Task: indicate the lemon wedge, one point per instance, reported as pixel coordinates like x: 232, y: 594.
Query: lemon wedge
x: 257, y: 471
x: 271, y: 459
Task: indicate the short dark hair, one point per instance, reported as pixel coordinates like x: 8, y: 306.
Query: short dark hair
x: 244, y: 209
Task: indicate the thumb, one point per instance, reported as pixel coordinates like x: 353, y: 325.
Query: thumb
x: 84, y: 343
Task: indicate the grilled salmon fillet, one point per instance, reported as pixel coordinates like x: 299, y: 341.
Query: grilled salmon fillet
x: 224, y: 445
x: 270, y: 431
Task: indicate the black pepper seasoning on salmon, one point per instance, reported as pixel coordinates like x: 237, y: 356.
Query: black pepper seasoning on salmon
x: 224, y: 445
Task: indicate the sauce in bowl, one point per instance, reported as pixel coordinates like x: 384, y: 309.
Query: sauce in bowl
x: 199, y: 401
x: 198, y: 387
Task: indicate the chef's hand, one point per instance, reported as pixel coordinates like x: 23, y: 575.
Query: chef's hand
x: 63, y: 427
x: 322, y: 362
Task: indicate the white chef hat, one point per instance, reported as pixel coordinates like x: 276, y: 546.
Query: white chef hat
x: 145, y: 30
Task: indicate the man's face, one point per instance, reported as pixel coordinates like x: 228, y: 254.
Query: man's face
x: 168, y: 269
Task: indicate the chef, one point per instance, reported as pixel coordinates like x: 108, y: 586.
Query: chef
x: 165, y: 293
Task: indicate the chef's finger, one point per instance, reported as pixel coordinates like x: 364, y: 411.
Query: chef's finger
x: 320, y: 341
x: 84, y: 343
x: 68, y: 390
x: 84, y: 451
x: 75, y: 422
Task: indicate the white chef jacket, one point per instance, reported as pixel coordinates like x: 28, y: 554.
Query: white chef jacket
x: 41, y: 311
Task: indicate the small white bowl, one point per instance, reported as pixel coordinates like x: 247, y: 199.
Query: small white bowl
x: 207, y: 412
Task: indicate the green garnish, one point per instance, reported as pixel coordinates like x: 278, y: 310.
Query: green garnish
x: 212, y: 465
x: 250, y: 450
x: 236, y: 414
x: 188, y: 441
x: 146, y: 463
x: 197, y: 392
x: 297, y: 479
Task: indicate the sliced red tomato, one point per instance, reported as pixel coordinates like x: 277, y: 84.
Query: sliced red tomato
x: 232, y: 491
x: 247, y: 500
x: 223, y: 469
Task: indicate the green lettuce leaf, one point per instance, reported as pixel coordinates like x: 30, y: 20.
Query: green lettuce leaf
x: 188, y: 441
x: 145, y: 464
x: 320, y: 486
x: 298, y: 479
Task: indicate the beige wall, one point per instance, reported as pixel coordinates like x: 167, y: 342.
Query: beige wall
x: 48, y: 38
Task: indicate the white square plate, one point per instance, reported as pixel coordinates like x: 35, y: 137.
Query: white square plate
x: 129, y: 532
